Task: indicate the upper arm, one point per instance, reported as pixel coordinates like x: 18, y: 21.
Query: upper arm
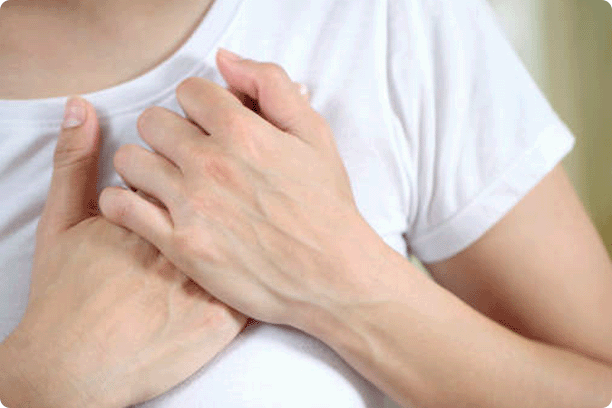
x: 542, y: 271
x: 479, y: 134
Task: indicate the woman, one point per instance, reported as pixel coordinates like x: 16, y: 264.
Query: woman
x: 461, y: 157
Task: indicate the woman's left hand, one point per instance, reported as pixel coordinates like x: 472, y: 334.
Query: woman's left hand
x: 257, y: 210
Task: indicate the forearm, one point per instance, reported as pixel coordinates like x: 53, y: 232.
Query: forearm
x: 15, y: 391
x: 26, y: 381
x: 425, y: 348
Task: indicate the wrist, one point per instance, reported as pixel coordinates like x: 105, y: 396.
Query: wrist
x: 374, y: 274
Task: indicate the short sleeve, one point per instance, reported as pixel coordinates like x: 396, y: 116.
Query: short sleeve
x: 479, y: 134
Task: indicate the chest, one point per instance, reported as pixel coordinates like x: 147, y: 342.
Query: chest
x: 29, y: 78
x: 369, y: 145
x: 46, y: 66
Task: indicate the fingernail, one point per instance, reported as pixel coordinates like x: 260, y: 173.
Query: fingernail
x: 229, y: 55
x: 75, y: 113
x: 303, y: 90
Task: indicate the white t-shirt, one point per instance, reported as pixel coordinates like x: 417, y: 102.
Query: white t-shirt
x: 438, y: 123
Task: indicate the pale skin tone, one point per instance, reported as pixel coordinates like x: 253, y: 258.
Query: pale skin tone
x: 38, y: 37
x: 537, y: 333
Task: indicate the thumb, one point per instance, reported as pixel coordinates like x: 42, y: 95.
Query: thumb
x: 74, y: 184
x: 279, y: 99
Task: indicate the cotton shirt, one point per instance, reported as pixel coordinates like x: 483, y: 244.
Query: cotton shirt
x: 440, y: 127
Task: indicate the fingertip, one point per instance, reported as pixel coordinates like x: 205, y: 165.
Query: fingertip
x: 75, y: 113
x: 91, y: 124
x: 136, y: 213
x: 106, y: 199
x: 227, y: 55
x: 80, y: 126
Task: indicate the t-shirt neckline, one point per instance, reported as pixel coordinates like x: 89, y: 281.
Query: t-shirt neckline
x: 136, y: 93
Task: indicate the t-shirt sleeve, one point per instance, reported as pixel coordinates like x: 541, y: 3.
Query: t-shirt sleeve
x: 479, y: 133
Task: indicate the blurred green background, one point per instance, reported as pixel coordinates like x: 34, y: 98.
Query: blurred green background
x: 566, y: 45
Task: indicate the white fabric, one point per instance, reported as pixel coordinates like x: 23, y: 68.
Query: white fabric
x: 440, y: 127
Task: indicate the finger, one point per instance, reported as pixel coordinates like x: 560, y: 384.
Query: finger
x: 217, y: 111
x: 137, y: 214
x: 74, y: 183
x: 246, y: 100
x: 149, y: 172
x: 303, y: 90
x: 279, y: 99
x: 169, y: 134
x: 252, y: 104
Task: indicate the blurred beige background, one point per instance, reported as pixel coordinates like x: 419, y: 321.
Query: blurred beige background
x: 566, y: 45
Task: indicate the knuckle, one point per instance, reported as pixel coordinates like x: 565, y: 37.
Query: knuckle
x: 186, y: 244
x: 249, y: 146
x: 71, y: 154
x: 220, y: 317
x: 117, y: 207
x: 243, y: 134
x: 235, y: 123
x: 122, y: 210
x: 220, y: 169
x: 198, y: 247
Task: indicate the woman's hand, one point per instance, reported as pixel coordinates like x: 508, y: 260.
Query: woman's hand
x: 110, y: 322
x: 258, y: 210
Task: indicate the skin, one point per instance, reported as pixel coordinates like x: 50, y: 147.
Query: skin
x: 37, y: 37
x: 243, y: 199
x: 557, y: 356
x: 105, y: 309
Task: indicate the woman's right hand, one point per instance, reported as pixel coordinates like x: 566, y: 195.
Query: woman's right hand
x: 109, y: 322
